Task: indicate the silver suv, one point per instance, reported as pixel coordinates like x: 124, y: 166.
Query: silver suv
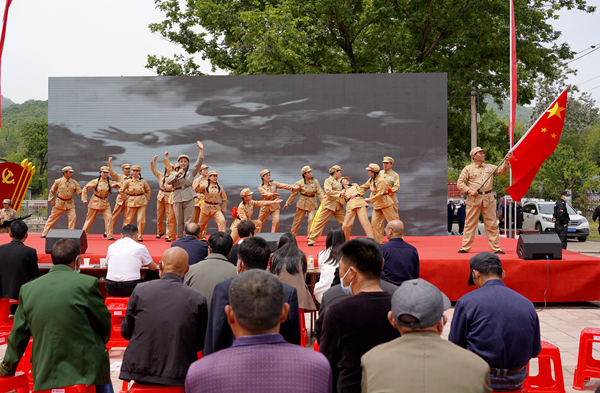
x: 538, y: 216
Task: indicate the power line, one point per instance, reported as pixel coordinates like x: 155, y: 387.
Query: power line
x: 596, y: 77
x: 577, y: 58
x: 593, y: 88
x: 591, y: 47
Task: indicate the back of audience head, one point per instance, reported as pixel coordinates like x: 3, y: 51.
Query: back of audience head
x: 285, y: 239
x: 253, y: 253
x: 174, y: 260
x: 65, y: 252
x: 256, y: 303
x: 364, y: 255
x: 485, y: 266
x: 394, y: 229
x: 18, y: 230
x: 289, y: 256
x: 246, y: 228
x: 130, y: 230
x: 192, y: 229
x: 220, y: 243
x: 334, y: 241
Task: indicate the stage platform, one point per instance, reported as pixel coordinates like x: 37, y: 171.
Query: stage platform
x: 574, y: 278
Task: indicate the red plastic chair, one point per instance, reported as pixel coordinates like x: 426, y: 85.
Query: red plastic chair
x: 137, y: 388
x: 17, y: 383
x: 6, y: 323
x: 587, y: 367
x: 24, y: 366
x: 71, y: 389
x: 117, y: 307
x: 544, y: 382
x: 303, y: 331
x: 316, y: 346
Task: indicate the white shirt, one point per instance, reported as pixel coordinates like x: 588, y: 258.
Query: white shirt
x: 327, y: 274
x: 124, y: 259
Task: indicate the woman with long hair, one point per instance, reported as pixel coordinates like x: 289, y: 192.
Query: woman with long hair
x: 328, y: 260
x: 102, y: 186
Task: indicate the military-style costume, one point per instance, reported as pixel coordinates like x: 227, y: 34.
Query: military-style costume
x: 120, y: 205
x: 309, y: 191
x: 268, y: 191
x: 471, y: 178
x: 199, y: 199
x: 64, y: 189
x: 164, y: 205
x: 137, y: 193
x: 211, y: 208
x: 393, y: 181
x: 7, y: 214
x: 383, y: 208
x: 98, y: 204
x: 356, y: 207
x: 244, y: 212
x: 333, y: 205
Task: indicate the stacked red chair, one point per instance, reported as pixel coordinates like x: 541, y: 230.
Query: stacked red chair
x: 17, y: 383
x: 71, y: 389
x: 24, y: 366
x: 303, y: 331
x: 544, y: 382
x: 117, y: 307
x: 6, y: 323
x: 137, y: 388
x: 587, y: 367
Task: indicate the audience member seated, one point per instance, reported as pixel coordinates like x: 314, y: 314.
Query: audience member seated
x: 496, y: 323
x: 401, y: 259
x: 359, y: 323
x: 191, y: 243
x: 328, y: 261
x: 253, y: 253
x: 245, y: 229
x: 166, y: 323
x: 260, y: 360
x: 289, y: 264
x: 204, y: 275
x: 18, y: 263
x: 65, y: 315
x: 420, y: 360
x: 124, y: 260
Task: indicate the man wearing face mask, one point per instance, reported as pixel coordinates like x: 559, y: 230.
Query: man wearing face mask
x: 561, y: 217
x: 359, y: 323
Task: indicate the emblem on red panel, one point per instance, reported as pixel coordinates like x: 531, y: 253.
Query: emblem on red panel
x: 14, y: 181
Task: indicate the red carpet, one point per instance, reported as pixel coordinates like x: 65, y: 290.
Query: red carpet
x: 574, y: 278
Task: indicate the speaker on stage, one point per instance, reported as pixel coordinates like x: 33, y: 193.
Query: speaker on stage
x: 56, y: 234
x: 271, y: 238
x: 539, y: 246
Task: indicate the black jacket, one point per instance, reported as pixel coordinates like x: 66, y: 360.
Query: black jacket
x: 560, y: 212
x: 596, y: 213
x: 18, y: 264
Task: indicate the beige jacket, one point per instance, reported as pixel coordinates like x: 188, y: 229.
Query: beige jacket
x: 472, y: 177
x: 120, y: 179
x: 136, y: 192
x: 7, y: 214
x: 332, y: 189
x: 245, y: 211
x: 183, y: 185
x: 268, y: 190
x: 379, y: 192
x: 64, y: 190
x: 197, y: 188
x: 309, y: 192
x: 212, y: 197
x: 393, y: 181
x: 99, y: 200
x: 357, y: 201
x: 166, y: 189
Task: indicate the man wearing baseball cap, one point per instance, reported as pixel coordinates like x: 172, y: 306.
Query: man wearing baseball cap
x: 496, y: 323
x: 420, y: 360
x: 64, y: 188
x: 473, y: 181
x: 561, y: 217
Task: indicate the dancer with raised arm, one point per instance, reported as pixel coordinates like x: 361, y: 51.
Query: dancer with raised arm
x: 137, y: 193
x: 164, y: 205
x: 120, y: 204
x: 211, y: 208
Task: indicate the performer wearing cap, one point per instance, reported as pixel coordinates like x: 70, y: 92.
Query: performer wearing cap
x: 480, y: 199
x: 355, y: 207
x: 164, y: 205
x: 182, y: 179
x: 268, y: 190
x: 120, y: 204
x: 99, y: 203
x: 213, y: 194
x: 309, y: 191
x: 64, y: 188
x: 392, y: 179
x: 137, y: 192
x: 333, y: 204
x: 245, y: 210
x: 561, y: 217
x: 203, y: 172
x: 7, y: 213
x: 383, y: 205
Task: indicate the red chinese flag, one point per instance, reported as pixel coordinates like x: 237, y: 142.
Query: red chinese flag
x: 3, y: 32
x: 536, y: 146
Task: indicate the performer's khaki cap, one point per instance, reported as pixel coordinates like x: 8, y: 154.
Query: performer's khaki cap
x: 6, y: 201
x: 345, y: 177
x: 373, y: 167
x: 183, y: 156
x: 104, y: 169
x: 68, y: 169
x: 264, y: 172
x: 246, y: 192
x: 203, y: 167
x: 476, y: 150
x: 125, y: 166
x: 305, y: 169
x: 335, y: 168
x: 388, y: 159
x: 136, y: 168
x: 213, y: 173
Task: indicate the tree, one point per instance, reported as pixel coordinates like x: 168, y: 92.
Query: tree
x: 35, y: 140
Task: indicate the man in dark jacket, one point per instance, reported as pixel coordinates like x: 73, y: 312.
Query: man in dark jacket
x: 197, y: 249
x: 561, y: 217
x: 596, y: 215
x: 166, y: 323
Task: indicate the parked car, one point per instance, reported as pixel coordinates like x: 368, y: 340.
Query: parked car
x: 537, y: 216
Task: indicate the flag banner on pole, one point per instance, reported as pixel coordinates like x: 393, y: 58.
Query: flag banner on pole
x: 3, y: 34
x: 513, y: 76
x: 538, y: 143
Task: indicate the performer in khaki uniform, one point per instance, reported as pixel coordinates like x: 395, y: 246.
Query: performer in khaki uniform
x: 199, y: 196
x: 99, y: 202
x: 383, y: 208
x: 213, y: 193
x: 470, y: 180
x: 333, y: 203
x: 355, y: 207
x: 309, y: 191
x: 64, y: 188
x: 137, y: 193
x: 7, y: 213
x: 163, y: 204
x: 268, y: 190
x: 245, y: 210
x: 120, y: 204
x: 392, y: 179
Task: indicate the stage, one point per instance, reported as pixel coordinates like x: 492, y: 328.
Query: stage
x: 574, y: 278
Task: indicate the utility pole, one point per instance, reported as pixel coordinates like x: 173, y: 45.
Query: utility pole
x: 473, y: 117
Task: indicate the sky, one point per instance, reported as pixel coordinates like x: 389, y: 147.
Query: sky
x: 111, y: 38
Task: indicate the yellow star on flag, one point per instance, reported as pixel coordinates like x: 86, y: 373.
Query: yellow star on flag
x: 544, y: 129
x: 553, y: 136
x: 555, y: 110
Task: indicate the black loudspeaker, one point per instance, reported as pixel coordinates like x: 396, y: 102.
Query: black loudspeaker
x: 56, y: 234
x: 271, y: 238
x: 539, y: 246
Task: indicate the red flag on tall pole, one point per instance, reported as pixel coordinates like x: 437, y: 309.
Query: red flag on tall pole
x: 4, y: 20
x: 538, y: 143
x: 513, y: 76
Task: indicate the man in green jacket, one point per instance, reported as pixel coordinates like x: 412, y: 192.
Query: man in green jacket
x: 65, y: 315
